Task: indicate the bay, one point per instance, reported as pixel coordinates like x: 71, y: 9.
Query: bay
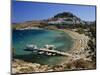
x: 40, y: 37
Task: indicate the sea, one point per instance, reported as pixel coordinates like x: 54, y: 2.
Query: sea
x: 40, y: 37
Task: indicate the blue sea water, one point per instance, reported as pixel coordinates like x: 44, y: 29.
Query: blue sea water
x: 40, y: 37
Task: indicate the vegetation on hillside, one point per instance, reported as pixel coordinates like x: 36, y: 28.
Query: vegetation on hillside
x: 64, y: 15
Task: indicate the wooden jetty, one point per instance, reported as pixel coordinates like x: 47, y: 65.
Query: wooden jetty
x: 46, y: 51
x: 52, y: 52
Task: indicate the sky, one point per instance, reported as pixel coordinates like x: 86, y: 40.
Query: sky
x: 28, y: 11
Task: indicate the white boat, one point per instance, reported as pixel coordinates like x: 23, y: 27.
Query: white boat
x: 30, y: 47
x: 33, y: 48
x: 50, y: 47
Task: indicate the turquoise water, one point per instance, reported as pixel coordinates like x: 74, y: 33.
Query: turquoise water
x: 40, y: 37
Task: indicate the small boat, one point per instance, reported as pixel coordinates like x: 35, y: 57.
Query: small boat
x: 31, y: 47
x: 50, y: 47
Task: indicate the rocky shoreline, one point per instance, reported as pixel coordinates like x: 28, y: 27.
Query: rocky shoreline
x: 20, y: 66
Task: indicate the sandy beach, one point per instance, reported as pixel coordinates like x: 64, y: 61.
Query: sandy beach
x: 79, y: 47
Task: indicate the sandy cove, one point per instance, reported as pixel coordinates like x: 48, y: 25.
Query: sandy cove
x: 77, y: 52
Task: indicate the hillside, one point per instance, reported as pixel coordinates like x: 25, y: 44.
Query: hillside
x: 64, y: 19
x: 29, y: 24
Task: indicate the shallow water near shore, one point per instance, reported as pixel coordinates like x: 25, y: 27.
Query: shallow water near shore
x: 40, y: 37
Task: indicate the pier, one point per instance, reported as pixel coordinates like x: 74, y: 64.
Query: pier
x: 52, y: 52
x: 48, y: 50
